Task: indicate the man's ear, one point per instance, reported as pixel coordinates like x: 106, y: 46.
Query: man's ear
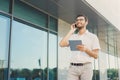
x: 86, y: 22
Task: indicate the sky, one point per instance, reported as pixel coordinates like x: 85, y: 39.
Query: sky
x: 110, y: 9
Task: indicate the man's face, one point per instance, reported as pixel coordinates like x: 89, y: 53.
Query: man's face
x: 80, y: 22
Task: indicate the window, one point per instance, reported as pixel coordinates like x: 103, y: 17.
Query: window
x: 52, y: 56
x: 53, y: 24
x: 4, y: 5
x: 4, y: 37
x: 27, y: 13
x: 29, y: 52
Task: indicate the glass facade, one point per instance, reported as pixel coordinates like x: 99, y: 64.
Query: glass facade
x: 29, y: 46
x: 32, y: 44
x: 29, y: 52
x: 4, y: 5
x: 4, y: 41
x: 31, y: 15
x: 52, y: 56
x: 108, y: 59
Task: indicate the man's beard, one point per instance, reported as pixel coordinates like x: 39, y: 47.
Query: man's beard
x: 79, y: 28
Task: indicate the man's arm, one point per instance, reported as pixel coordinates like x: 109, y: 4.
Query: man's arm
x: 64, y: 42
x: 93, y: 53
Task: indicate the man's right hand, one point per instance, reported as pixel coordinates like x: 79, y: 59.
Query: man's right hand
x: 73, y: 28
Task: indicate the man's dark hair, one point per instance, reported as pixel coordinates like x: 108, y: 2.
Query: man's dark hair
x: 83, y: 15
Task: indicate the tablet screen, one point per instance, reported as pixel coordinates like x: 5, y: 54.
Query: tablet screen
x: 74, y: 43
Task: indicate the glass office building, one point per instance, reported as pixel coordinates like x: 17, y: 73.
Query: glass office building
x: 28, y: 39
x: 30, y: 31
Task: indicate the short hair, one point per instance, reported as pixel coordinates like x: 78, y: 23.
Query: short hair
x: 82, y: 15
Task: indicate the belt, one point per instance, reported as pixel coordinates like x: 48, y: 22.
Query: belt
x: 77, y: 64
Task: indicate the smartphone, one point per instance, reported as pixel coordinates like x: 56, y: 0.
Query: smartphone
x: 77, y: 29
x: 75, y: 26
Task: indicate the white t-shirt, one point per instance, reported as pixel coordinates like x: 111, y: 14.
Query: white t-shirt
x: 91, y: 41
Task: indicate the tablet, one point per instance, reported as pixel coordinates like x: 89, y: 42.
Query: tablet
x: 74, y: 43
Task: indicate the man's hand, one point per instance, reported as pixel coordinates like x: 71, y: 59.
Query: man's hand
x: 92, y: 53
x: 64, y: 41
x: 72, y: 28
x: 81, y: 48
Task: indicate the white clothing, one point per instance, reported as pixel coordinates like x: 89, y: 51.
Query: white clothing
x: 89, y: 40
x: 84, y: 72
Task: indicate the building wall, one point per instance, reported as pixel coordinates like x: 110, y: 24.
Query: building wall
x: 63, y: 53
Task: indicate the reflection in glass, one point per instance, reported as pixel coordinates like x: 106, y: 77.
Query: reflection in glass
x: 4, y: 5
x: 103, y: 65
x: 113, y: 69
x: 96, y: 70
x: 53, y: 24
x: 4, y: 37
x: 52, y: 56
x: 95, y: 75
x: 31, y: 14
x: 119, y: 66
x: 29, y: 53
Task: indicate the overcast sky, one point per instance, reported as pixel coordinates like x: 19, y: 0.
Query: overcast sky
x: 110, y: 9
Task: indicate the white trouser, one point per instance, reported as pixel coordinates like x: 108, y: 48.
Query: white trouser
x: 82, y: 72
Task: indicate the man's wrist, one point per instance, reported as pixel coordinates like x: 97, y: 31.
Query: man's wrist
x: 71, y: 31
x: 87, y: 50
